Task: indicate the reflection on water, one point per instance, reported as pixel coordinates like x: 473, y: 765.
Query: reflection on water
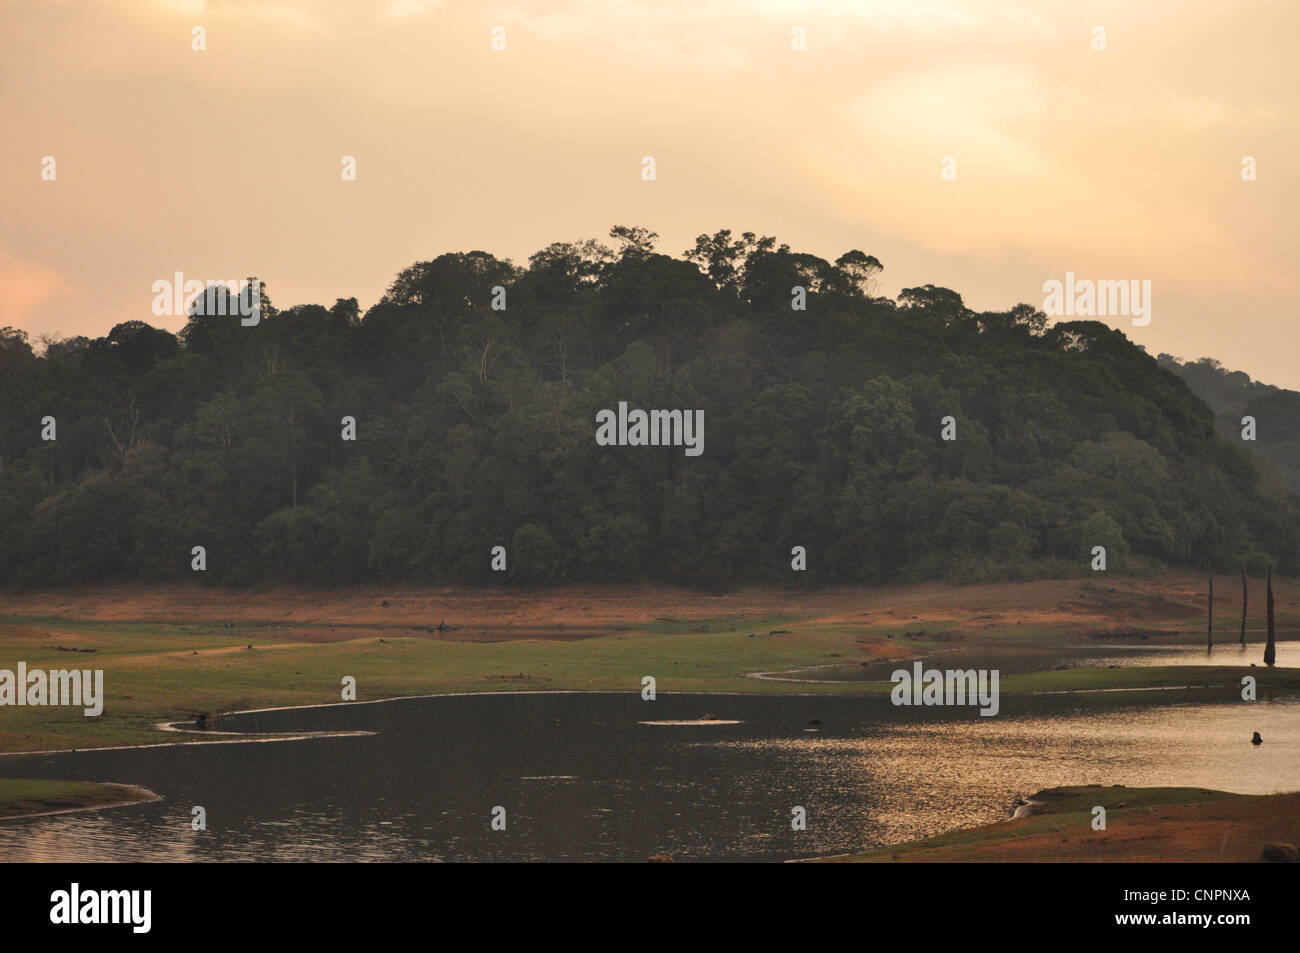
x: 580, y: 779
x: 1016, y: 657
x: 930, y: 778
x: 1288, y: 655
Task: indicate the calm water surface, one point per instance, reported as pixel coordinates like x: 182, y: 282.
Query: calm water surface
x: 581, y: 780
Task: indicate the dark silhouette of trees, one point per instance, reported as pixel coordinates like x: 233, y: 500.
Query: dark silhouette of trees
x: 475, y: 427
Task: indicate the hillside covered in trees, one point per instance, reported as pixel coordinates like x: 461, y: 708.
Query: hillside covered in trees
x: 1232, y: 395
x: 475, y: 427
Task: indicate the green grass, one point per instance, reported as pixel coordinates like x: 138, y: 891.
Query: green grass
x: 1222, y: 677
x: 22, y: 796
x: 143, y: 686
x: 151, y: 675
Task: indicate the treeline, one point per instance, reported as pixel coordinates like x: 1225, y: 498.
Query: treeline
x: 475, y: 428
x: 1232, y: 395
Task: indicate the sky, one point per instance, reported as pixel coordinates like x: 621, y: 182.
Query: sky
x: 1117, y: 163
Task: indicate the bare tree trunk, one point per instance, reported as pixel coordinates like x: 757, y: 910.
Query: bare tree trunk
x: 1270, y: 650
x: 1244, y: 594
x: 1209, y: 627
x: 124, y: 435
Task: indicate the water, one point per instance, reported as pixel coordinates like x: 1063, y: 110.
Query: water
x: 1016, y: 657
x: 1288, y: 655
x: 580, y: 779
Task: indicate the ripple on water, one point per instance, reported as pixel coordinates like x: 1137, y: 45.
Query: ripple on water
x: 423, y: 785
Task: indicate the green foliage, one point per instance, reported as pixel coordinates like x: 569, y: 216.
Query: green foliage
x: 535, y: 554
x: 475, y: 427
x: 1232, y: 395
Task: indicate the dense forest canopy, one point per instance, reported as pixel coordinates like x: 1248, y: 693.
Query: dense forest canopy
x: 1233, y: 397
x: 475, y: 428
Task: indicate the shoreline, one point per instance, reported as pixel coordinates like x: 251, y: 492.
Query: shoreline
x: 1143, y: 825
x: 172, y: 652
x: 138, y: 795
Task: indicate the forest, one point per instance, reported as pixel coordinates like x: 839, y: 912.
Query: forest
x: 474, y: 387
x: 1233, y: 396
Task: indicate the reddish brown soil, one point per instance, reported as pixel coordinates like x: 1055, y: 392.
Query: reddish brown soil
x: 578, y: 611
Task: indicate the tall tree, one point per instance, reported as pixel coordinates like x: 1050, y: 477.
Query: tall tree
x: 1209, y: 625
x: 1270, y: 649
x: 1244, y: 594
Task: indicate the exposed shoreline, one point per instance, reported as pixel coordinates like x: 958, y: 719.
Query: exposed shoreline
x: 1143, y: 825
x: 124, y: 795
x: 177, y: 650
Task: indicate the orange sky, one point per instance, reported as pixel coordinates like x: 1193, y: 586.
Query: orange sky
x: 1124, y: 163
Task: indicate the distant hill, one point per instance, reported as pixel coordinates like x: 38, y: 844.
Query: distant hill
x: 475, y: 386
x: 1232, y: 395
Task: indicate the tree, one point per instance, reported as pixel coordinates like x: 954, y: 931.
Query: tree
x: 1270, y: 648
x: 1209, y: 626
x: 124, y: 430
x: 719, y: 257
x: 535, y: 554
x: 291, y: 541
x: 291, y: 402
x: 1243, y: 605
x: 634, y: 242
x: 860, y: 270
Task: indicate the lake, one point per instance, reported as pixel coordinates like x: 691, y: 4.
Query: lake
x: 582, y: 779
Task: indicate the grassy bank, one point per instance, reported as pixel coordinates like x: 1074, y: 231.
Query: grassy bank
x: 172, y: 652
x: 1142, y: 824
x: 22, y: 797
